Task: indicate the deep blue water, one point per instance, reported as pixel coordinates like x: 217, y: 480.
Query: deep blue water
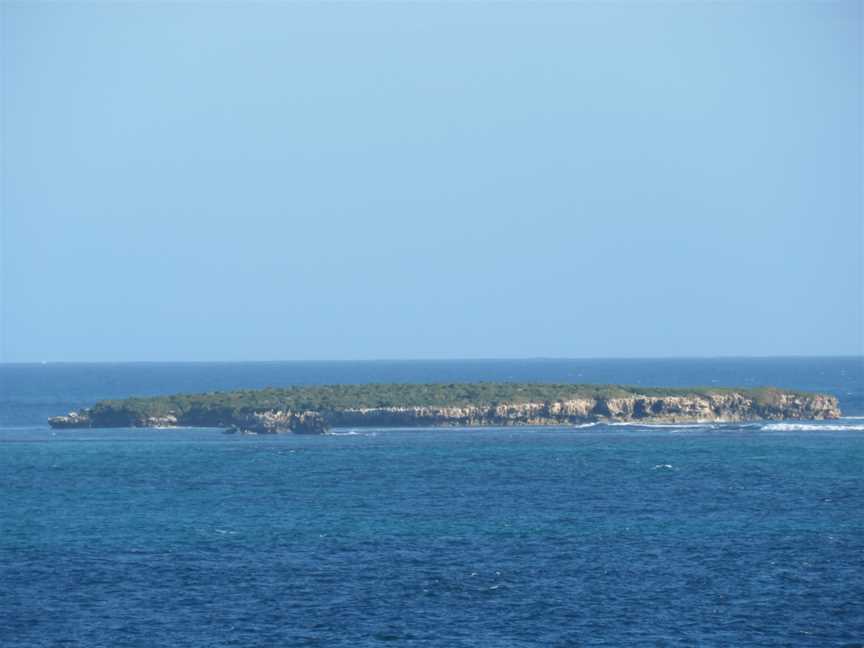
x: 749, y: 535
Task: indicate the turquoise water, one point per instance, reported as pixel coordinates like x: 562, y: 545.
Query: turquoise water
x: 725, y: 535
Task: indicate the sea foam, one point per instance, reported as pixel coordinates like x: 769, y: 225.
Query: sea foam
x: 805, y: 427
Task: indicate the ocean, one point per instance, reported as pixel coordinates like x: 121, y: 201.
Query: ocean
x: 624, y: 535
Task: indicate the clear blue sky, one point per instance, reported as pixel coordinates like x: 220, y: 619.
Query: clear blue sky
x: 230, y: 181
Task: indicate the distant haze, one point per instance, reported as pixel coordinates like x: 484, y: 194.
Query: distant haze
x: 226, y: 181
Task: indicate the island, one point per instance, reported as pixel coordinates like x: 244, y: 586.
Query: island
x: 317, y: 409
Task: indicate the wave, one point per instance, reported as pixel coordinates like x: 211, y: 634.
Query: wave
x: 815, y: 427
x: 671, y: 426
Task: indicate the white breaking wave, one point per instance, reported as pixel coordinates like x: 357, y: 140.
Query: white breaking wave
x: 352, y: 433
x: 673, y: 426
x: 805, y: 427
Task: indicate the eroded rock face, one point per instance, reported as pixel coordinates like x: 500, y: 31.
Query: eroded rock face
x: 71, y: 420
x: 162, y: 421
x: 467, y: 415
x: 716, y: 407
x: 818, y: 406
x: 278, y: 421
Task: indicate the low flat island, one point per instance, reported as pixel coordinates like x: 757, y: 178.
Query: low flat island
x: 314, y: 410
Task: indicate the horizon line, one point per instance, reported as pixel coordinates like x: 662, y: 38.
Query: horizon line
x: 437, y: 360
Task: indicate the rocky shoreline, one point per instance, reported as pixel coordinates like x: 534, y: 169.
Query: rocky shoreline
x: 722, y: 406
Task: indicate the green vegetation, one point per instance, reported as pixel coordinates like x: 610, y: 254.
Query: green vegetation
x: 336, y: 397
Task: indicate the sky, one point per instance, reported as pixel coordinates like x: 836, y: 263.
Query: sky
x: 373, y: 180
